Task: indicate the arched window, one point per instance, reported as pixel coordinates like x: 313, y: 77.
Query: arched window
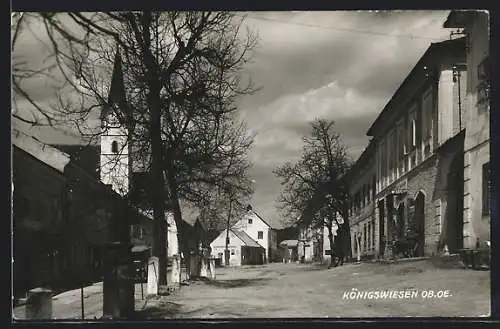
x: 114, y: 147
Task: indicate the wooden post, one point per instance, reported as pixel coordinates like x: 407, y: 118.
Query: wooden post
x: 82, y: 303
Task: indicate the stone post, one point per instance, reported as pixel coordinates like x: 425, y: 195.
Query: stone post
x: 204, y: 267
x: 39, y: 304
x: 176, y: 269
x: 211, y: 268
x: 118, y: 288
x: 195, y: 266
x: 153, y: 272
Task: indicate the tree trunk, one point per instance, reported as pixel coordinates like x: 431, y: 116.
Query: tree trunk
x: 160, y: 243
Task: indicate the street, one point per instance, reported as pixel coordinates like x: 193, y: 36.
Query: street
x: 300, y: 290
x: 304, y: 290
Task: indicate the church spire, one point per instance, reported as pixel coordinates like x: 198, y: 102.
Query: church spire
x: 117, y: 98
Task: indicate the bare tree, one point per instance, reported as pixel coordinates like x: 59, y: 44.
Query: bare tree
x: 314, y: 193
x: 181, y: 76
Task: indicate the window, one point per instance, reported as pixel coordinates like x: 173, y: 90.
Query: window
x: 364, y: 195
x: 427, y: 112
x: 114, y: 147
x: 369, y: 193
x: 260, y: 235
x: 383, y: 164
x: 390, y: 155
x: 412, y: 133
x: 364, y: 236
x: 374, y: 182
x: 486, y: 189
x: 483, y: 86
x: 427, y: 115
x: 373, y: 235
x: 250, y: 221
x: 232, y: 251
x: 368, y: 236
x: 400, y: 148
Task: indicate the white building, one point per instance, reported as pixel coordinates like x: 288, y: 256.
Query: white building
x: 261, y: 231
x: 476, y: 210
x: 243, y: 250
x: 255, y: 232
x: 314, y: 243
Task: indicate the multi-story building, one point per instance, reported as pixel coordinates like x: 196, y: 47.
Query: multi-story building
x: 476, y: 212
x: 416, y: 157
x: 362, y: 178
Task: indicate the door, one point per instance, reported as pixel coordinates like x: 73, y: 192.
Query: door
x: 381, y: 226
x: 420, y: 223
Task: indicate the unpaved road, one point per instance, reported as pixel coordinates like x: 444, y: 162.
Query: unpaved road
x: 298, y: 290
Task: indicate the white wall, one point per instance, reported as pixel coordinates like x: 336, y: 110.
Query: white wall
x: 115, y: 167
x: 219, y: 245
x: 253, y: 229
x: 173, y: 241
x: 477, y: 136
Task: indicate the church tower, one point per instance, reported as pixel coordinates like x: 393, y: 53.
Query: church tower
x: 115, y: 162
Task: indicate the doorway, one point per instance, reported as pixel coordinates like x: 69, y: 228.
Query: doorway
x: 455, y: 204
x: 381, y: 226
x: 420, y: 223
x: 401, y: 221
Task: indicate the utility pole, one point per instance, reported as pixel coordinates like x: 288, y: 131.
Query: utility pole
x: 457, y: 75
x: 226, y: 251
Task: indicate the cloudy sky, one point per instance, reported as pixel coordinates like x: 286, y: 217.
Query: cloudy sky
x: 336, y: 65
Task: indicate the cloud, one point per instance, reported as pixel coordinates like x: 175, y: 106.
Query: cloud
x: 308, y: 72
x: 336, y: 65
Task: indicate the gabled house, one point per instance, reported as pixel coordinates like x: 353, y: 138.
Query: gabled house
x: 243, y: 250
x: 256, y: 227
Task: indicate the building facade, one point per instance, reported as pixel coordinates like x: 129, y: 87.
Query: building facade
x: 63, y: 217
x: 261, y: 231
x: 314, y: 243
x: 477, y: 192
x: 243, y: 250
x: 362, y: 188
x: 406, y: 187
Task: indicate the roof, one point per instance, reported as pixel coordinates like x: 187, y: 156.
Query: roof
x: 247, y: 240
x: 289, y: 243
x: 459, y: 18
x: 47, y: 154
x: 434, y: 48
x: 261, y: 218
x: 86, y: 156
x: 365, y: 155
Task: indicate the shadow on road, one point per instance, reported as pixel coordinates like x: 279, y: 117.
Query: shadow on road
x: 162, y: 310
x: 238, y: 283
